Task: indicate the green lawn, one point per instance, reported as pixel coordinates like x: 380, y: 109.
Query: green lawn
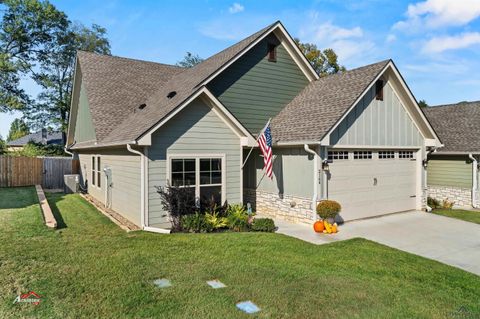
x: 90, y: 268
x: 466, y: 215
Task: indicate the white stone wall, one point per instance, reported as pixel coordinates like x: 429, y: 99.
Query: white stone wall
x: 462, y: 197
x: 290, y: 208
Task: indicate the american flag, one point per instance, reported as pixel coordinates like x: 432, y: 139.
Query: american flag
x: 265, y: 143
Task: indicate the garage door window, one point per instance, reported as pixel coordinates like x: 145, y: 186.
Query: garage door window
x: 337, y: 155
x: 386, y: 154
x: 362, y: 155
x: 405, y: 154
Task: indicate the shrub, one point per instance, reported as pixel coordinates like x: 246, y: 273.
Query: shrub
x: 263, y: 224
x: 446, y: 204
x: 237, y: 218
x: 178, y: 202
x: 195, y: 223
x: 433, y: 203
x: 328, y: 209
x: 215, y: 221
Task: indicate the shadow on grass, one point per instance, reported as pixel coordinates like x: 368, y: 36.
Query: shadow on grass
x: 17, y: 197
x: 52, y: 201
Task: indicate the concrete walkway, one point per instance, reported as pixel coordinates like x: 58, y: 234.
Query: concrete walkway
x: 448, y: 240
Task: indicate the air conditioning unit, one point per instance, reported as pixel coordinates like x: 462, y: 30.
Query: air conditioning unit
x: 71, y: 183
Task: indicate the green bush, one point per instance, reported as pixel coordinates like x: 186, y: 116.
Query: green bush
x: 263, y: 224
x: 446, y: 204
x: 328, y: 209
x: 215, y: 221
x: 195, y: 223
x: 237, y: 218
x: 433, y: 203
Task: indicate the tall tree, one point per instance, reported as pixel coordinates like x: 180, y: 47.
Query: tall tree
x: 325, y: 62
x: 48, y: 42
x: 190, y: 60
x: 18, y: 129
x: 422, y: 103
x: 3, y: 146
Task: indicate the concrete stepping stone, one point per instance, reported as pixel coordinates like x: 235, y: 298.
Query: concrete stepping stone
x: 162, y: 283
x: 216, y: 284
x: 248, y: 307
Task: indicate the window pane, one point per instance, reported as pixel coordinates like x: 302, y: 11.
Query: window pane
x: 177, y: 165
x: 216, y: 164
x: 205, y: 178
x: 93, y: 177
x: 216, y: 177
x: 209, y: 193
x: 204, y: 164
x: 189, y: 165
x: 99, y: 178
x: 177, y: 179
x: 99, y: 167
x: 93, y: 163
x: 190, y: 178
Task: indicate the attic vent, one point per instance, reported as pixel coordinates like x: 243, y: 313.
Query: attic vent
x: 142, y: 106
x: 171, y: 94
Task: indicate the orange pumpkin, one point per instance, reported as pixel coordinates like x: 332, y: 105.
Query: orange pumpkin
x: 318, y: 227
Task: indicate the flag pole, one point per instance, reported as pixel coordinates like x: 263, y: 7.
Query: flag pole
x: 256, y: 140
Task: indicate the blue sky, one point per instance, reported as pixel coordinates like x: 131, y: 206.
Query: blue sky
x: 435, y: 43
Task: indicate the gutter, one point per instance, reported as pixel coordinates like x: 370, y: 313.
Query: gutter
x: 315, y: 178
x: 474, y: 180
x: 66, y: 148
x: 143, y: 192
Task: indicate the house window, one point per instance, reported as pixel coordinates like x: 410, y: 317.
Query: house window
x: 362, y: 155
x: 379, y: 90
x: 96, y: 171
x: 202, y: 175
x: 386, y: 154
x: 337, y: 155
x: 272, y: 52
x: 405, y: 154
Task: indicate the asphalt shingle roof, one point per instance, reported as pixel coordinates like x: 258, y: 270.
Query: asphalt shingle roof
x: 52, y: 138
x: 311, y: 114
x: 457, y: 126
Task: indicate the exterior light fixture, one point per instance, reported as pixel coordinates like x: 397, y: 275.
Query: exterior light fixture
x: 425, y: 163
x: 325, y: 165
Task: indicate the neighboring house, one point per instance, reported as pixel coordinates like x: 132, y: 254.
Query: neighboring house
x: 357, y: 137
x: 453, y: 170
x: 43, y: 137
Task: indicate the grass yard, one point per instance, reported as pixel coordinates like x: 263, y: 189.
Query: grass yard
x: 466, y: 215
x: 90, y: 268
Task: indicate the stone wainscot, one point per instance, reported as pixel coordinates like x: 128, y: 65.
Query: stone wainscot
x: 462, y: 197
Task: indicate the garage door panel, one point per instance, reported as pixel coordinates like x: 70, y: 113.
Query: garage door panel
x: 351, y: 183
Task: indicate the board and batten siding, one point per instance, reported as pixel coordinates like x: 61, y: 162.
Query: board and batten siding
x: 453, y: 171
x: 255, y: 89
x: 196, y: 130
x: 292, y: 172
x: 125, y: 193
x: 84, y: 130
x: 377, y: 123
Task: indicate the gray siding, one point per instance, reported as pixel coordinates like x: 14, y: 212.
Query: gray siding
x: 254, y: 89
x: 125, y: 193
x: 377, y: 123
x: 84, y: 130
x: 195, y: 130
x: 292, y: 172
x: 449, y: 171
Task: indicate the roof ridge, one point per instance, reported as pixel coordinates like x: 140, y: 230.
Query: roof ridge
x: 453, y: 104
x: 128, y: 59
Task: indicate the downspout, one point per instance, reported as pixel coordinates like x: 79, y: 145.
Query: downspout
x: 474, y: 180
x: 315, y: 178
x: 142, y: 193
x: 429, y: 209
x: 65, y: 149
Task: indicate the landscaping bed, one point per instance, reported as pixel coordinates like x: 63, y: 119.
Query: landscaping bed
x: 90, y: 268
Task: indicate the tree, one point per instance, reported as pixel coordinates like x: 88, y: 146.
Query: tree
x: 422, y: 103
x: 324, y: 62
x: 18, y: 129
x: 190, y: 60
x: 40, y: 41
x: 3, y: 146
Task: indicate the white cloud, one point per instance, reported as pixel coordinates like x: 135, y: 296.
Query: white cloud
x: 439, y: 13
x: 391, y: 38
x: 236, y: 8
x: 440, y: 44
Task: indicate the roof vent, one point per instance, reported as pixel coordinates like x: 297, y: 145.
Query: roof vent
x: 142, y: 106
x: 171, y: 94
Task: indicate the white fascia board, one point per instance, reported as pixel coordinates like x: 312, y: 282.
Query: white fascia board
x: 300, y: 59
x: 73, y: 107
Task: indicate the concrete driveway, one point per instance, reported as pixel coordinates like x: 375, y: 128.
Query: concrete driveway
x: 450, y: 241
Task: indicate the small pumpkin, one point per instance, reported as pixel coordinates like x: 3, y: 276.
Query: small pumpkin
x: 318, y: 226
x: 334, y: 228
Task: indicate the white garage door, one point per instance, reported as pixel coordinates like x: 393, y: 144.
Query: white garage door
x: 372, y: 183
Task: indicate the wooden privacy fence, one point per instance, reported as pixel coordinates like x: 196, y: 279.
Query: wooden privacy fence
x: 27, y: 171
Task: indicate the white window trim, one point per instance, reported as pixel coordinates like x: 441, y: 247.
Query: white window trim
x: 197, y: 158
x: 97, y: 170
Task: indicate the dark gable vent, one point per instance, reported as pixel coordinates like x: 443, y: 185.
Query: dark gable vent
x: 171, y: 94
x: 142, y: 106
